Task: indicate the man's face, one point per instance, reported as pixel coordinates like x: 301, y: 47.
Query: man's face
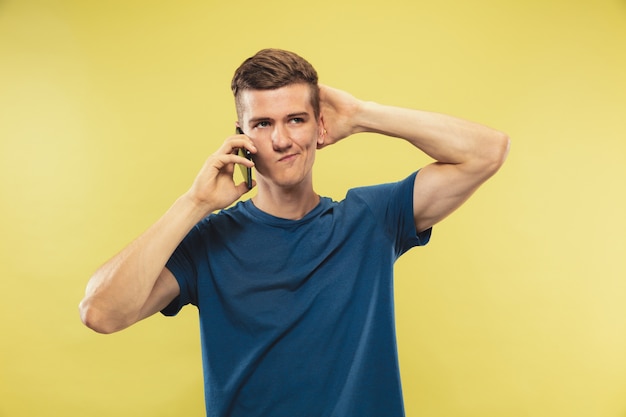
x: 283, y: 127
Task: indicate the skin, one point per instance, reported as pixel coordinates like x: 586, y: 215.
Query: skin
x: 282, y: 126
x: 283, y: 134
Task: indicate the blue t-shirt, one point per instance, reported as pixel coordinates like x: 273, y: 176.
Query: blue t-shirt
x: 297, y: 316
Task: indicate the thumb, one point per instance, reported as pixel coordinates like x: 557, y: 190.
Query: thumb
x: 242, y: 188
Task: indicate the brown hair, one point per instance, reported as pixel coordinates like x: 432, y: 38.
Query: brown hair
x: 270, y: 69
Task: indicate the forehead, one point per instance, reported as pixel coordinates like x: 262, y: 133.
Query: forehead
x: 276, y: 103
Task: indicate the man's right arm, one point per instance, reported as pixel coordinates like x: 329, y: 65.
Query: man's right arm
x: 135, y: 283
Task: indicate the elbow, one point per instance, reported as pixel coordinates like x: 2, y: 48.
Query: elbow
x: 95, y: 319
x: 504, y: 145
x: 497, y: 152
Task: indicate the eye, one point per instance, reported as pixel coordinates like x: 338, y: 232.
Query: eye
x: 262, y: 124
x: 296, y: 120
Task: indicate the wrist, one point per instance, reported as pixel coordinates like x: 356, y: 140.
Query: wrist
x: 193, y: 208
x: 366, y: 117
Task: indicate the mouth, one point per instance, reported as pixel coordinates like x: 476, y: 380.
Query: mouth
x: 288, y: 158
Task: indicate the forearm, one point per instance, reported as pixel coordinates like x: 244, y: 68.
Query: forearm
x: 119, y: 289
x: 444, y: 138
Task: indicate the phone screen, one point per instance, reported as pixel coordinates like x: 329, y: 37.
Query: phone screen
x: 245, y: 171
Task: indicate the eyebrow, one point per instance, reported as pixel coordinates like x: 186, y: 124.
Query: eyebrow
x: 258, y: 119
x: 299, y: 114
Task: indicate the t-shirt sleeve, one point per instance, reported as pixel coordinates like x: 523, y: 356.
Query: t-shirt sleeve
x: 393, y: 203
x: 182, y: 264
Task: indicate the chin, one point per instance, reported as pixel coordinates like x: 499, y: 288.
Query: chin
x: 290, y: 182
x: 287, y: 182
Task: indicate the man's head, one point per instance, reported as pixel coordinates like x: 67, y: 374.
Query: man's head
x: 271, y: 69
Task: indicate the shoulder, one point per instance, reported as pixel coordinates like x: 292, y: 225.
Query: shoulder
x: 388, y: 203
x: 236, y: 213
x: 381, y: 193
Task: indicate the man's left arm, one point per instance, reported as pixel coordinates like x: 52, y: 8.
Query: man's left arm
x: 466, y: 154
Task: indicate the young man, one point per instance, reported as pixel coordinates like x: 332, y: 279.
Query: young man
x: 294, y: 290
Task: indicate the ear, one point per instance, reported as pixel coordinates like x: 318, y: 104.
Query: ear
x: 321, y: 134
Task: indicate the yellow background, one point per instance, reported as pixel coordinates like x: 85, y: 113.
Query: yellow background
x: 516, y: 308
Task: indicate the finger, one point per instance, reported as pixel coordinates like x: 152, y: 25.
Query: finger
x: 232, y: 159
x: 233, y: 144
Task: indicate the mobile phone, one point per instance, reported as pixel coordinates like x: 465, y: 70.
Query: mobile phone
x: 245, y: 171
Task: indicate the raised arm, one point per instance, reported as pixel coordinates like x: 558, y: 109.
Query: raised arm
x: 466, y: 154
x: 135, y: 284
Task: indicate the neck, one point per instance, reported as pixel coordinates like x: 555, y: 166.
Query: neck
x: 287, y: 203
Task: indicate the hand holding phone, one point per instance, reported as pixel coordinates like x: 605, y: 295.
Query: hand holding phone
x: 245, y: 171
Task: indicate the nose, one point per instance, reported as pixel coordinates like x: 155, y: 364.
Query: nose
x: 280, y: 137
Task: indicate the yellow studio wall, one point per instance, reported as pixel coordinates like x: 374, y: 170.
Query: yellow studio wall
x: 516, y: 308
